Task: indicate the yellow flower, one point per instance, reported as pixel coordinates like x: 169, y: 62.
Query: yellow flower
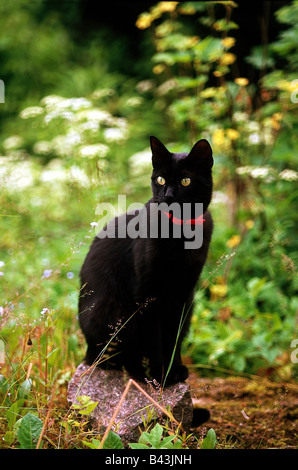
x: 159, y: 68
x: 233, y: 134
x: 285, y: 85
x: 277, y: 116
x: 144, y: 21
x: 249, y: 224
x: 241, y: 81
x: 228, y: 42
x: 218, y: 137
x: 275, y: 120
x: 234, y: 241
x: 167, y: 6
x: 227, y: 58
x: 205, y: 313
x: 218, y: 290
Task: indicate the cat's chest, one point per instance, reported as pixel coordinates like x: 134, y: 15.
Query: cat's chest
x: 165, y: 266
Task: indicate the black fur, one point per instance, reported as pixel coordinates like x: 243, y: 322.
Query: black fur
x: 134, y: 291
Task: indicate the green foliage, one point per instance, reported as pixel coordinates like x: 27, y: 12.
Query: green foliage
x: 209, y: 442
x: 85, y: 405
x: 113, y: 441
x: 155, y: 440
x: 28, y: 431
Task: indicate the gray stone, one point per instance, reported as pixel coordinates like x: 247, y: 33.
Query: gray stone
x: 107, y: 387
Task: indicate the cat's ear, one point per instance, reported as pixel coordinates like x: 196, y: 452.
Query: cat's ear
x: 160, y: 154
x: 202, y: 153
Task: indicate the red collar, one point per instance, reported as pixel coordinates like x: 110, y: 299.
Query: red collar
x: 198, y: 221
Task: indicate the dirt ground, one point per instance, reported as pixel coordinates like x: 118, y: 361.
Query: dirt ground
x: 248, y: 413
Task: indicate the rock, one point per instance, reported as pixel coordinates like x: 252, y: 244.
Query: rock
x: 106, y: 388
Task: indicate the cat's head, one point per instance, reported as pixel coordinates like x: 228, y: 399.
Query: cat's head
x: 182, y: 177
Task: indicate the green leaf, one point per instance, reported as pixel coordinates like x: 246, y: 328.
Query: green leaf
x: 155, y: 435
x: 137, y: 445
x: 9, y: 437
x: 12, y: 413
x: 210, y: 440
x: 94, y: 444
x: 3, y: 384
x: 85, y: 406
x: 29, y: 431
x: 113, y: 441
x: 166, y: 443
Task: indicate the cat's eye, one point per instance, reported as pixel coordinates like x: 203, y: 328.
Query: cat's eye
x: 185, y: 181
x: 161, y: 180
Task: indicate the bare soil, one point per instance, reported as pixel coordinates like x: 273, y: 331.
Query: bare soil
x: 248, y: 413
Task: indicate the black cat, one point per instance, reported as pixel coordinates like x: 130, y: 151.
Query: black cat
x: 136, y: 293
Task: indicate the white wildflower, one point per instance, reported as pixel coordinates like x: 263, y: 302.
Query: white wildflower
x: 95, y: 150
x: 144, y: 85
x: 288, y: 175
x: 75, y: 104
x: 239, y: 116
x: 94, y: 114
x: 113, y: 134
x: 167, y: 86
x: 30, y: 112
x: 252, y: 126
x: 219, y: 197
x: 57, y: 113
x: 79, y: 176
x: 64, y: 144
x: 254, y: 138
x: 53, y: 175
x: 265, y: 173
x: 134, y: 101
x: 13, y: 142
x: 2, y: 264
x: 140, y: 162
x: 259, y: 172
x: 244, y: 170
x: 51, y: 101
x: 89, y: 126
x: 17, y: 177
x: 102, y: 92
x: 117, y: 122
x: 42, y: 147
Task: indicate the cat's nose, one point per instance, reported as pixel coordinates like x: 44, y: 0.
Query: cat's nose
x: 169, y: 192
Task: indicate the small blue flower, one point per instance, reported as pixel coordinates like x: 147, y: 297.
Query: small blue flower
x: 47, y: 272
x: 2, y: 264
x: 70, y: 275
